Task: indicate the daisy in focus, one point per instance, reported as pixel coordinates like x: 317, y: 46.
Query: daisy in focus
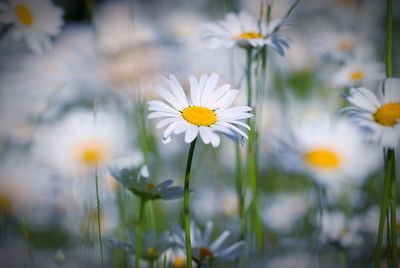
x: 379, y: 113
x: 81, y: 142
x: 332, y: 152
x: 242, y: 30
x: 36, y: 22
x: 207, y: 113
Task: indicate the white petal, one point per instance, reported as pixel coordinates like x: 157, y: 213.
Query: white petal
x: 209, y: 89
x: 191, y: 133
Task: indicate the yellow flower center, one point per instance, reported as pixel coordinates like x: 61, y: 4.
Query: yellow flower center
x: 151, y: 186
x: 5, y: 204
x: 199, y: 116
x: 357, y: 75
x: 248, y: 35
x: 205, y: 253
x: 24, y: 15
x: 388, y: 114
x: 345, y: 45
x: 322, y: 158
x: 179, y: 262
x: 91, y: 153
x: 150, y: 251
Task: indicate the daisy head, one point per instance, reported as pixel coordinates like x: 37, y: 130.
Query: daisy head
x: 358, y: 72
x: 81, y: 142
x: 33, y: 21
x: 333, y: 152
x: 379, y: 113
x: 208, y: 112
x: 242, y: 30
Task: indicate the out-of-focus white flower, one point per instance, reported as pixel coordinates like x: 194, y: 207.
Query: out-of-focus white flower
x: 242, y: 30
x: 33, y: 21
x: 378, y: 113
x: 27, y: 190
x: 333, y: 152
x: 337, y: 229
x: 357, y: 72
x: 119, y: 26
x: 211, y: 202
x: 284, y: 211
x: 81, y: 142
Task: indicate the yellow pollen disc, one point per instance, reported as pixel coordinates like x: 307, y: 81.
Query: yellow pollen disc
x: 150, y: 251
x: 205, y: 253
x: 199, y: 116
x: 24, y: 15
x: 5, y: 204
x: 249, y: 35
x: 322, y: 158
x: 357, y: 75
x: 345, y: 45
x: 179, y: 262
x: 388, y: 114
x: 92, y: 152
x: 151, y: 186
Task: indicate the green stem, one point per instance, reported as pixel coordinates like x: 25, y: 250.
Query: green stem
x: 98, y: 206
x: 186, y: 210
x: 240, y: 193
x: 389, y: 38
x: 392, y: 205
x: 249, y: 52
x: 138, y: 246
x: 384, y: 211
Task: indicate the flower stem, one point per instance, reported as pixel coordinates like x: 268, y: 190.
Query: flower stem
x: 138, y: 246
x: 251, y: 155
x: 389, y: 38
x: 98, y: 206
x: 186, y: 210
x: 239, y: 190
x: 392, y: 205
x: 384, y: 211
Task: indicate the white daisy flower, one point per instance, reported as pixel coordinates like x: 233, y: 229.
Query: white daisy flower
x: 336, y: 228
x: 357, y: 72
x: 284, y: 211
x: 242, y: 30
x: 206, y: 253
x: 334, y: 153
x: 36, y: 22
x: 79, y: 142
x: 379, y: 112
x: 26, y: 190
x: 209, y: 112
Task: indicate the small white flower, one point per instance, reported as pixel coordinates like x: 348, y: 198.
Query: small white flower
x: 332, y: 152
x: 33, y: 21
x: 379, y: 113
x: 357, y: 72
x: 284, y: 211
x: 208, y: 113
x: 79, y: 143
x: 242, y: 30
x: 336, y: 228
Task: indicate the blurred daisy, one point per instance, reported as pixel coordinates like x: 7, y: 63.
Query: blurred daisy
x: 138, y: 182
x: 379, y: 112
x: 176, y: 258
x: 284, y: 211
x: 36, y: 22
x: 358, y: 72
x: 206, y: 253
x: 79, y: 142
x: 152, y: 246
x: 208, y: 113
x: 26, y: 190
x: 337, y: 229
x: 332, y: 152
x: 242, y: 30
